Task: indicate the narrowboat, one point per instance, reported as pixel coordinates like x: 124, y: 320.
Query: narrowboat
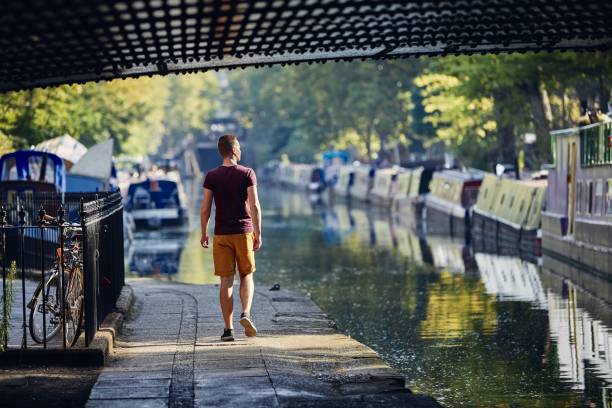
x: 506, y: 217
x: 577, y: 223
x: 94, y: 171
x: 452, y: 194
x: 32, y: 171
x: 66, y: 147
x: 383, y: 187
x: 317, y: 180
x: 156, y: 202
x: 302, y: 176
x: 343, y: 181
x: 333, y: 160
x: 409, y: 197
x: 363, y: 177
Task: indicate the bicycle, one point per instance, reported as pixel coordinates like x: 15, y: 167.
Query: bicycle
x: 73, y: 289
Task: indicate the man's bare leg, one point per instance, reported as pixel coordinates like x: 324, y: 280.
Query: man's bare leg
x: 226, y: 299
x: 247, y: 288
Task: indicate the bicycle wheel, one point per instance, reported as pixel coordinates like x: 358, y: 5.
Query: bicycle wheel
x: 74, y: 305
x: 51, y: 309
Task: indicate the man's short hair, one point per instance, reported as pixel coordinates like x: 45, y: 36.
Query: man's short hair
x: 226, y: 144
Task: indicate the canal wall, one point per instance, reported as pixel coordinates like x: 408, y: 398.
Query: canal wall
x: 170, y: 354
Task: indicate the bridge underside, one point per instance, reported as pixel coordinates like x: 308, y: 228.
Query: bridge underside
x: 67, y: 41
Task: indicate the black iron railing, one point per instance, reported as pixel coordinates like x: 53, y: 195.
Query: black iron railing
x: 62, y: 264
x: 103, y: 262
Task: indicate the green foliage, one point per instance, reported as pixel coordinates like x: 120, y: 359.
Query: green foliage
x: 480, y: 105
x: 6, y: 304
x: 301, y: 110
x: 477, y: 106
x: 191, y: 101
x: 135, y: 113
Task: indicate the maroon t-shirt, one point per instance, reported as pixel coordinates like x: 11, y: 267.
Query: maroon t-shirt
x: 229, y: 186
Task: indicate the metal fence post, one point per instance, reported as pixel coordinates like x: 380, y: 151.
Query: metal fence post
x: 90, y: 291
x: 61, y: 220
x: 4, y: 300
x: 21, y: 214
x: 41, y: 223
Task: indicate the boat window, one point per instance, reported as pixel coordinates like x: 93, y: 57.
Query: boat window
x: 486, y: 190
x: 522, y: 206
x: 511, y: 201
x: 9, y: 169
x: 578, y: 196
x: 590, y: 198
x: 50, y: 172
x: 34, y: 167
x: 501, y: 201
x: 609, y: 197
x: 598, y: 197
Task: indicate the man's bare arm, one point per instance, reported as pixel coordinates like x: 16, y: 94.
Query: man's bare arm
x: 253, y: 199
x: 205, y: 209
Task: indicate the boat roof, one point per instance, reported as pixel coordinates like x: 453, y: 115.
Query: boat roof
x: 97, y: 162
x: 21, y: 154
x: 65, y: 146
x: 466, y: 175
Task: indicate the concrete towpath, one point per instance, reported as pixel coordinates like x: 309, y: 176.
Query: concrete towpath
x: 169, y: 355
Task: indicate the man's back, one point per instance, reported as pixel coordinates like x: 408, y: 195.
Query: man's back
x: 237, y: 233
x: 229, y: 185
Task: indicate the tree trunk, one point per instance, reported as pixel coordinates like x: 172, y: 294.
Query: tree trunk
x: 604, y: 93
x: 542, y: 117
x: 506, y: 145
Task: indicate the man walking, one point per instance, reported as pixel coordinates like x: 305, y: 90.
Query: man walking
x: 237, y: 231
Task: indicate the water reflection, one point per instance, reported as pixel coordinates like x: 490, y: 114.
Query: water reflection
x: 472, y: 329
x: 510, y: 278
x: 156, y: 254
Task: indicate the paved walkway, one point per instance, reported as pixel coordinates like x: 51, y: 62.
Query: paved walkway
x: 169, y: 354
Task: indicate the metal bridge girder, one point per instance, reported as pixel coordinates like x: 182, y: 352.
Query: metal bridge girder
x: 68, y: 41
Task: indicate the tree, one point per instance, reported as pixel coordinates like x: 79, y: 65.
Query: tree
x: 301, y: 110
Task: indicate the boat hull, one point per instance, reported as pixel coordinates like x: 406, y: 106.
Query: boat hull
x: 442, y: 221
x: 491, y: 235
x: 588, y: 250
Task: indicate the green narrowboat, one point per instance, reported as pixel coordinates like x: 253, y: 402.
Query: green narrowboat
x: 507, y: 216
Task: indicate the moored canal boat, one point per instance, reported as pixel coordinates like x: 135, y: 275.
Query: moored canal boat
x: 577, y: 223
x: 157, y: 201
x: 408, y: 202
x: 301, y: 176
x: 383, y: 187
x: 363, y: 178
x: 452, y: 194
x: 32, y: 171
x: 506, y: 217
x: 343, y: 181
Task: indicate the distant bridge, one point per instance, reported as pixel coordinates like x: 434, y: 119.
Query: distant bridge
x: 66, y: 41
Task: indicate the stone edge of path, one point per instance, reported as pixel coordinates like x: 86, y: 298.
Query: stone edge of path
x: 79, y: 356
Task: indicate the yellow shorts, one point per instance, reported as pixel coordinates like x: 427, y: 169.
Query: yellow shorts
x: 232, y: 250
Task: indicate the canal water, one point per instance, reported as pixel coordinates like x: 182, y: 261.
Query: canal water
x: 475, y: 330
